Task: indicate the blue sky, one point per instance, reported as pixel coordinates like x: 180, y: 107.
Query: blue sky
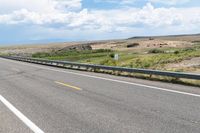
x: 44, y: 21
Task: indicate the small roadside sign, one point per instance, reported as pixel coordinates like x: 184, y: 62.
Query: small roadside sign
x: 116, y: 57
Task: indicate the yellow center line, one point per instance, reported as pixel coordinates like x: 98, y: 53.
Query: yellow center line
x: 67, y: 85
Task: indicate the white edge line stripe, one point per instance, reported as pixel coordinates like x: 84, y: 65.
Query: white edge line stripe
x: 23, y: 118
x: 114, y: 80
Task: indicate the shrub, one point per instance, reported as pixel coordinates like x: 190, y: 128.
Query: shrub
x: 108, y: 62
x: 132, y: 45
x: 102, y: 50
x: 188, y: 49
x: 176, y: 52
x: 154, y: 51
x: 40, y: 55
x: 112, y: 55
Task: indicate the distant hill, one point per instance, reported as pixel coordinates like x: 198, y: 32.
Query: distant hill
x: 183, y: 37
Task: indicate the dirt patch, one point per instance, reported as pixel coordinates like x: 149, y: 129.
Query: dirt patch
x: 122, y: 45
x: 186, y: 64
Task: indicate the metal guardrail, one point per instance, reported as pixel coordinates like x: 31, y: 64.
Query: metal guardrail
x: 82, y: 66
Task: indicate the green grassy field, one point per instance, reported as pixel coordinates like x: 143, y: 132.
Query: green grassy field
x: 158, y: 59
x: 148, y: 58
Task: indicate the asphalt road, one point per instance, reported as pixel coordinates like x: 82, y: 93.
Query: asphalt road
x: 36, y: 98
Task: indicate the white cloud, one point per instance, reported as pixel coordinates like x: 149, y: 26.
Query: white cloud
x: 123, y: 2
x: 68, y: 4
x: 106, y: 20
x: 68, y: 16
x: 169, y: 2
x: 131, y: 2
x: 47, y: 6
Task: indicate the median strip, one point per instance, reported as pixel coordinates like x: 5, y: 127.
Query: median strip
x: 67, y: 85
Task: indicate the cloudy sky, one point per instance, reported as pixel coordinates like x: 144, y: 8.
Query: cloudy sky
x: 38, y: 21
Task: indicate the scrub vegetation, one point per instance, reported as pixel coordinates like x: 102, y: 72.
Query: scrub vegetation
x: 150, y: 58
x: 158, y: 59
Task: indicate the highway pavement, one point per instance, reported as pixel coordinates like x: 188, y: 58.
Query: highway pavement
x: 37, y: 98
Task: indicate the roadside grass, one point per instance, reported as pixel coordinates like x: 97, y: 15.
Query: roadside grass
x: 188, y: 82
x: 158, y: 61
x: 78, y: 56
x: 149, y: 59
